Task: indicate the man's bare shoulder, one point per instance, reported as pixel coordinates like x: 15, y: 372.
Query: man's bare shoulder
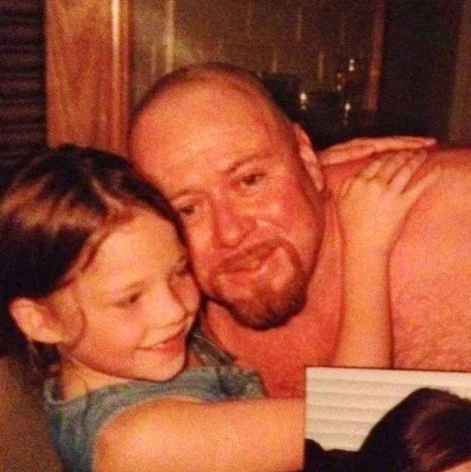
x: 442, y: 217
x: 455, y: 162
x: 430, y: 267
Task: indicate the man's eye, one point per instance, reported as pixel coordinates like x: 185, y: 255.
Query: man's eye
x: 129, y: 301
x: 252, y: 179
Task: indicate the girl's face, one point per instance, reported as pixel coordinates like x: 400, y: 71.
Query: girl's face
x: 127, y: 315
x: 464, y: 467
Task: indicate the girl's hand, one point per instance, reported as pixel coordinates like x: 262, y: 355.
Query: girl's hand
x: 373, y: 206
x: 360, y: 148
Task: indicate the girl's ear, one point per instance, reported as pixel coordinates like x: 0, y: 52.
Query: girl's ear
x: 309, y: 158
x: 37, y: 321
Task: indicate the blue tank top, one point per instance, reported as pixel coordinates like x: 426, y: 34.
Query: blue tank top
x: 75, y: 424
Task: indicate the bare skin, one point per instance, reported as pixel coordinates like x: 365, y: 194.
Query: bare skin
x: 360, y: 148
x: 464, y: 467
x: 430, y: 279
x: 430, y: 270
x: 252, y: 434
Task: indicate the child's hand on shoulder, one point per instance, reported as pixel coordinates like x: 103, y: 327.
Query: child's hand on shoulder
x: 373, y: 205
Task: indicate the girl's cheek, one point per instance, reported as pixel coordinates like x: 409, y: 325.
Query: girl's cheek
x: 193, y: 296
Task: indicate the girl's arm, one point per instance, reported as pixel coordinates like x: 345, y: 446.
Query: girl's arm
x: 372, y: 210
x: 179, y: 436
x: 361, y: 148
x: 268, y: 434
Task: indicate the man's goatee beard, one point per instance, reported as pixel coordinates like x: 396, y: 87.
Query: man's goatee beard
x: 263, y: 313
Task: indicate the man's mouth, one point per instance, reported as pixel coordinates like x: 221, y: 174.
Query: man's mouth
x: 248, y: 260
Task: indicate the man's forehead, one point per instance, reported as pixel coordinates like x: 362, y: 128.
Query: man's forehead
x: 207, y: 124
x: 200, y: 96
x: 168, y: 118
x: 175, y: 119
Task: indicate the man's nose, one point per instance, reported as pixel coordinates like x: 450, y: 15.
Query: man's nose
x: 231, y: 223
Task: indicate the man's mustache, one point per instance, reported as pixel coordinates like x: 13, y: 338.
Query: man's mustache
x: 248, y: 258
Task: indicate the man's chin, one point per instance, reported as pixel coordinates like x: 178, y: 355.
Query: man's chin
x: 264, y: 315
x: 264, y: 302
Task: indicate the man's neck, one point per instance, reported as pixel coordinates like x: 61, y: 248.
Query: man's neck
x: 320, y: 312
x: 323, y: 301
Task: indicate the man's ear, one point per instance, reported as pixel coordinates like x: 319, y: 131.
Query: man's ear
x: 36, y: 320
x: 308, y: 156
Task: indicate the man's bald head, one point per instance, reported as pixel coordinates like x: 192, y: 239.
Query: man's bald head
x: 209, y: 74
x: 244, y: 179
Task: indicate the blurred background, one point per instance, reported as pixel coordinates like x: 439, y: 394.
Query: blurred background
x: 73, y: 70
x: 344, y: 67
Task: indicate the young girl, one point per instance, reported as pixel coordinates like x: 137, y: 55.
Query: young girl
x: 95, y: 280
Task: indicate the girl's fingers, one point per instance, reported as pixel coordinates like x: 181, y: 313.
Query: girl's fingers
x: 400, y: 142
x: 416, y: 190
x: 371, y: 169
x: 395, y: 173
x: 346, y: 186
x: 390, y: 166
x: 405, y: 172
x: 384, y: 169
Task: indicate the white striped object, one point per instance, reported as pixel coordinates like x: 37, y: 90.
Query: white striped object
x: 343, y: 404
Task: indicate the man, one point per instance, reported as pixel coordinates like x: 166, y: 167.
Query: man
x: 264, y: 239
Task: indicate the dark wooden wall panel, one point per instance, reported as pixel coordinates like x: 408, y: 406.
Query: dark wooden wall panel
x: 22, y: 84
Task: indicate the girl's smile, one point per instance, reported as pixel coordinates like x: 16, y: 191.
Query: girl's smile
x: 136, y: 303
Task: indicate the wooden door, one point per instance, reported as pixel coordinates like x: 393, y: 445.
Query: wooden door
x: 88, y: 70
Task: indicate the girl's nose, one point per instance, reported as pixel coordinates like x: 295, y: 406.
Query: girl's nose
x: 168, y: 309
